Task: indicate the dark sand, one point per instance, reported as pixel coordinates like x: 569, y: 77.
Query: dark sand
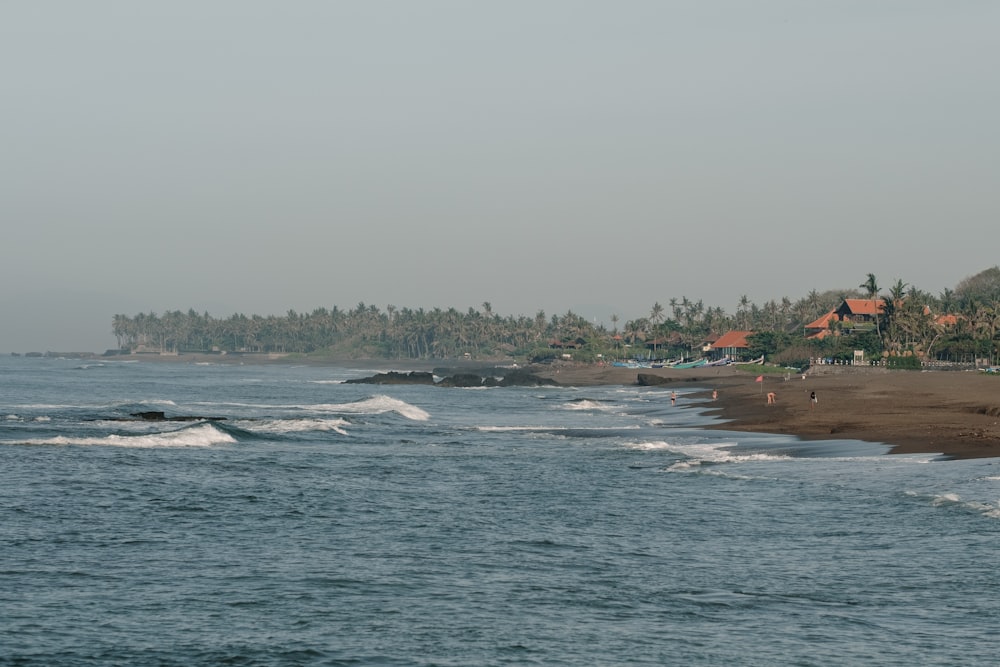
x: 956, y: 413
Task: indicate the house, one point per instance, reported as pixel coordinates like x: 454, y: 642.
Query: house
x: 732, y: 344
x: 859, y: 314
x: 946, y: 321
x: 822, y: 326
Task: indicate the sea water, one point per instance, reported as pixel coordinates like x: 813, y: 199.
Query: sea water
x: 323, y: 523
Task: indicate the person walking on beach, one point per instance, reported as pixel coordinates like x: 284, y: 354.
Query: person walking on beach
x: 812, y: 400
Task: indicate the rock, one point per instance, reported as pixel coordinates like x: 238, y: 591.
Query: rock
x: 526, y: 379
x: 462, y: 380
x: 393, y: 377
x: 159, y: 416
x: 651, y: 380
x: 515, y: 378
x: 151, y: 415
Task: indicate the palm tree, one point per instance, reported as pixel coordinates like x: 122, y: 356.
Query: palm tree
x: 655, y: 318
x: 870, y: 286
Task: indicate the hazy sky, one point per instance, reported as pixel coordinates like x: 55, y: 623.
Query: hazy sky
x: 251, y: 156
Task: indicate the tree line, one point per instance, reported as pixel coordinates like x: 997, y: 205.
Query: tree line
x: 907, y: 326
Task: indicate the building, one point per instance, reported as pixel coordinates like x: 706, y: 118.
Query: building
x: 857, y: 315
x: 732, y: 344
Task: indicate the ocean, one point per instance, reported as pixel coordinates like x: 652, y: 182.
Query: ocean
x: 323, y: 523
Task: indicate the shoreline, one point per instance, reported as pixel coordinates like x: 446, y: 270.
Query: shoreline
x: 952, y: 413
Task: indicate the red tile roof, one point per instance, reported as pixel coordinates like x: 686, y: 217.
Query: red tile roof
x: 946, y: 320
x: 821, y: 334
x: 732, y: 339
x: 864, y: 306
x: 824, y: 321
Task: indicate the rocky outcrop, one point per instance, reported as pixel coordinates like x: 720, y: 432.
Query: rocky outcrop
x: 652, y: 380
x: 160, y: 416
x: 520, y: 378
x: 462, y: 380
x: 512, y: 378
x: 393, y: 377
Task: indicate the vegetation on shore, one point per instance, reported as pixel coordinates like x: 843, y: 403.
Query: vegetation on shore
x: 904, y: 330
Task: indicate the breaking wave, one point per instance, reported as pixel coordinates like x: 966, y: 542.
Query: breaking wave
x: 203, y: 435
x: 376, y: 405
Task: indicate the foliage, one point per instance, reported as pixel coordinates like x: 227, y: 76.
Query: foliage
x: 983, y: 287
x: 908, y: 324
x: 767, y: 343
x: 796, y: 355
x: 903, y: 363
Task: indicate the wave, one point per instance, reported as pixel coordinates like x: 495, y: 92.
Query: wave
x: 589, y: 404
x: 284, y: 426
x: 376, y: 405
x: 700, y: 454
x: 203, y: 435
x: 563, y: 432
x: 988, y: 510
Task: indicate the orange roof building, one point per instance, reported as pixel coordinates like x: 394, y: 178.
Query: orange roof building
x: 732, y: 344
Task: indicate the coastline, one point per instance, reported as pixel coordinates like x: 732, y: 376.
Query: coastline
x: 952, y: 413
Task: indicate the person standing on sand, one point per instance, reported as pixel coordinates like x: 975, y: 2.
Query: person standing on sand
x: 812, y: 400
x: 772, y: 398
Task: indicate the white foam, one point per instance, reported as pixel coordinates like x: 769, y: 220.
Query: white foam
x: 710, y: 453
x: 503, y: 429
x: 376, y: 405
x: 648, y: 446
x: 204, y: 435
x: 989, y: 510
x: 588, y: 404
x: 946, y: 499
x: 552, y: 429
x: 301, y: 425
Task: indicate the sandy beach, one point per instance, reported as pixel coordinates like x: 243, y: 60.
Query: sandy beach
x: 956, y: 413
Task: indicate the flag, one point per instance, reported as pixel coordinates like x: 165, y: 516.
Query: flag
x: 760, y: 378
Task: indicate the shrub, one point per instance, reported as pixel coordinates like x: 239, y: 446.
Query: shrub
x: 903, y: 363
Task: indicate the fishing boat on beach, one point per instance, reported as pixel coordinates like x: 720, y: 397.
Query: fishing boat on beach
x: 629, y: 364
x: 692, y: 364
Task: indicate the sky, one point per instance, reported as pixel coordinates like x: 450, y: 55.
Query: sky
x: 250, y: 156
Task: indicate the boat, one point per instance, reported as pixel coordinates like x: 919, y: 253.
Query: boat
x: 692, y: 364
x: 629, y: 364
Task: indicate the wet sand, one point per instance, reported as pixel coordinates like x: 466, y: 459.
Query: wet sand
x: 956, y: 413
